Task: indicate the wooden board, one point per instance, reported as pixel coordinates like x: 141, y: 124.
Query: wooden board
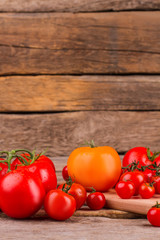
x: 76, y: 5
x: 76, y: 93
x: 135, y: 204
x: 61, y: 133
x: 67, y: 43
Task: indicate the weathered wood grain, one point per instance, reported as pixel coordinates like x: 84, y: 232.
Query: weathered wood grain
x: 67, y: 43
x: 76, y: 5
x: 62, y: 132
x: 78, y: 228
x: 76, y: 93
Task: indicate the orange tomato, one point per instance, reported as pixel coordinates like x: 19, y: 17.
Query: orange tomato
x: 97, y: 167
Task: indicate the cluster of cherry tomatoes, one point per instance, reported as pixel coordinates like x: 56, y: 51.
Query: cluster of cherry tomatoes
x: 141, y: 176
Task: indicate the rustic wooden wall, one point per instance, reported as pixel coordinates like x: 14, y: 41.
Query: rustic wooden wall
x: 78, y: 70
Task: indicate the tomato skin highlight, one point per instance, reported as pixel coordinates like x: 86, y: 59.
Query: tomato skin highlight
x: 146, y: 191
x: 97, y: 167
x: 125, y: 189
x: 136, y: 177
x: 153, y: 216
x: 59, y: 205
x: 22, y: 194
x: 96, y: 200
x: 137, y: 154
x: 78, y: 192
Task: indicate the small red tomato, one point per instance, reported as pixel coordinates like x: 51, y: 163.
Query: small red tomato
x: 65, y: 173
x: 137, y: 154
x: 156, y: 180
x: 59, y: 205
x: 148, y: 174
x: 96, y: 200
x: 146, y: 190
x: 153, y: 215
x: 78, y: 192
x: 136, y: 177
x: 125, y: 189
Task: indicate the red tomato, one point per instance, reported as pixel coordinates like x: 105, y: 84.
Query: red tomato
x: 148, y: 174
x: 136, y: 177
x: 78, y: 192
x: 96, y: 200
x: 146, y: 190
x: 137, y: 154
x: 42, y: 158
x: 65, y: 173
x: 3, y: 168
x: 22, y: 194
x: 156, y: 180
x: 59, y: 205
x: 42, y: 168
x: 153, y: 215
x: 125, y: 189
x: 46, y: 174
x: 45, y: 159
x: 157, y: 160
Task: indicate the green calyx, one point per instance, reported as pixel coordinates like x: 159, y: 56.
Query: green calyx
x: 157, y: 205
x: 25, y: 156
x: 90, y: 144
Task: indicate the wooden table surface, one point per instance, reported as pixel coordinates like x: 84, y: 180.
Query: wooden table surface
x: 79, y: 228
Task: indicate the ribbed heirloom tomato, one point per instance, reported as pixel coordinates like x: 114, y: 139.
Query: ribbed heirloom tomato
x: 97, y: 167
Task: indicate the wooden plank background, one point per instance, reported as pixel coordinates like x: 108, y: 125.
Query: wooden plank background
x: 76, y: 5
x: 96, y: 43
x: 72, y: 71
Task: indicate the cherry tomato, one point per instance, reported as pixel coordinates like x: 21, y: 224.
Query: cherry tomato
x: 146, y: 190
x: 136, y: 177
x: 78, y: 192
x: 125, y: 189
x: 97, y: 167
x: 148, y: 174
x: 22, y: 194
x: 65, y: 173
x: 96, y: 200
x: 59, y: 205
x: 137, y: 154
x: 156, y: 180
x: 153, y: 215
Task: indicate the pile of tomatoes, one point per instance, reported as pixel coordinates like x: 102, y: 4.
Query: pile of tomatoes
x: 28, y: 181
x: 140, y: 176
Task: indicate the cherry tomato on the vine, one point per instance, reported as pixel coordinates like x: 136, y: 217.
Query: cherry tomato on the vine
x: 78, y: 192
x: 3, y: 168
x: 22, y: 193
x: 65, y: 173
x: 146, y: 190
x: 137, y: 154
x: 156, y: 180
x: 96, y: 200
x: 153, y: 215
x: 59, y: 205
x: 136, y: 177
x: 125, y: 189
